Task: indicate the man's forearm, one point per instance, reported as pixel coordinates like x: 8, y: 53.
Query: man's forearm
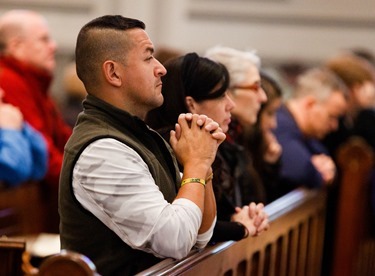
x: 209, y: 213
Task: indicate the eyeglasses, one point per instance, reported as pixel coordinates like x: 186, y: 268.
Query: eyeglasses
x: 254, y: 87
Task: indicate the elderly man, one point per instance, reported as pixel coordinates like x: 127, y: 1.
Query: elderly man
x: 27, y: 61
x: 312, y: 112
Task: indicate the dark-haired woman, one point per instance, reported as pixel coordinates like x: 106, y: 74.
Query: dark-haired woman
x: 199, y: 85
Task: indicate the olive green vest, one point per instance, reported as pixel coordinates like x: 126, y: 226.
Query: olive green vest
x: 80, y: 230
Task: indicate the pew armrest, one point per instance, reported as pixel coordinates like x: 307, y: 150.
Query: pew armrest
x: 68, y: 263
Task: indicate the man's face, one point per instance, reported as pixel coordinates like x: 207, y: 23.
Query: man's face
x: 143, y: 73
x: 325, y: 115
x: 37, y: 47
x: 248, y: 97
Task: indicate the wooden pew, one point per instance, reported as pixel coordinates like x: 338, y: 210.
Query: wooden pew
x: 61, y: 264
x: 292, y: 246
x: 27, y: 209
x: 11, y: 251
x: 354, y: 239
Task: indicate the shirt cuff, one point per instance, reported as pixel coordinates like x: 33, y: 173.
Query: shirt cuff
x: 204, y: 238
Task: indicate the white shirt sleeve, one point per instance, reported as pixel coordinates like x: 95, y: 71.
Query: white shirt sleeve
x: 113, y: 182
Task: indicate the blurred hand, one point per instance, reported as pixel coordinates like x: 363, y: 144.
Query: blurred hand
x: 10, y: 117
x: 325, y: 166
x: 253, y: 217
x: 273, y: 150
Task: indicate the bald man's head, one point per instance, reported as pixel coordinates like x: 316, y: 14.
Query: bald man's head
x: 25, y: 36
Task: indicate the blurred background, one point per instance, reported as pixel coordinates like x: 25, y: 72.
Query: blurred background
x: 285, y: 33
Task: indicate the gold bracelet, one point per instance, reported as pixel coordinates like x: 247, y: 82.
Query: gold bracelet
x: 193, y: 180
x: 210, y: 177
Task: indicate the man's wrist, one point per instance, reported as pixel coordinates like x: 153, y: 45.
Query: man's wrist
x: 209, y: 178
x: 197, y: 171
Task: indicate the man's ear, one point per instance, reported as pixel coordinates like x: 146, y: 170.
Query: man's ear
x: 190, y: 103
x: 111, y: 73
x: 310, y: 101
x: 15, y: 47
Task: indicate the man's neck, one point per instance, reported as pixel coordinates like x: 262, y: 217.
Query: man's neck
x: 298, y: 113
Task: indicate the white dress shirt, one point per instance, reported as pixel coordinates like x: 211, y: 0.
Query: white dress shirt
x: 113, y: 182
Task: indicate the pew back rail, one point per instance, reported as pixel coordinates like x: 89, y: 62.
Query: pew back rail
x: 292, y: 246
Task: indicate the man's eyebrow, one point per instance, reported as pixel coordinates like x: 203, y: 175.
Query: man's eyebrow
x: 150, y: 50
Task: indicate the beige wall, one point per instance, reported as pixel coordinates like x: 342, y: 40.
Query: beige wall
x: 279, y: 30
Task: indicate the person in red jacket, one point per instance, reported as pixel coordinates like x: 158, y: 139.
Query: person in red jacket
x: 27, y: 62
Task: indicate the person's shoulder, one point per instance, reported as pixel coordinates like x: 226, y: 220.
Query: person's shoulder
x: 286, y: 123
x: 284, y: 117
x: 7, y: 72
x: 366, y: 114
x: 10, y: 78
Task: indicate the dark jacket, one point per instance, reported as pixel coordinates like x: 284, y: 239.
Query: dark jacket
x: 297, y: 168
x: 80, y: 230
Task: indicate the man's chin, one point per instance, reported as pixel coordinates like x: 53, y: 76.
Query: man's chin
x: 161, y: 100
x: 158, y: 102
